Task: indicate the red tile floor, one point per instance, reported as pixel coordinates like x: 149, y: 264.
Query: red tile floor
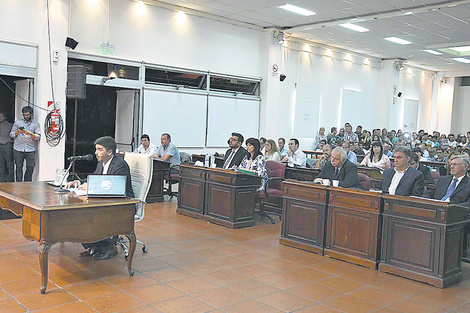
x: 193, y: 266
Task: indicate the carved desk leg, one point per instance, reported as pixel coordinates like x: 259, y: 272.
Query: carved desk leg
x: 43, y: 256
x: 132, y: 245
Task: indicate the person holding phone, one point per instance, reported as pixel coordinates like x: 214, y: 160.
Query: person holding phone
x: 25, y: 132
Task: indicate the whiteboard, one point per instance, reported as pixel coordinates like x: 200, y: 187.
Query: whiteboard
x: 182, y: 115
x: 351, y: 109
x: 307, y: 110
x: 228, y: 115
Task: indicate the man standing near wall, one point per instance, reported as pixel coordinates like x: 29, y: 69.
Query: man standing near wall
x: 25, y: 132
x: 6, y: 158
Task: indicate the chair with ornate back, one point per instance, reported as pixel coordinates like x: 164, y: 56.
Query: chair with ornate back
x: 273, y: 188
x: 365, y: 181
x: 141, y: 167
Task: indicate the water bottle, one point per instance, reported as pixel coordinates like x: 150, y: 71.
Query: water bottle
x: 206, y: 160
x: 213, y: 160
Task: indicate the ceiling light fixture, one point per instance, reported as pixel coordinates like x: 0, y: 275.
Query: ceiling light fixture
x: 432, y: 52
x: 461, y: 49
x: 296, y: 9
x: 399, y: 66
x: 398, y: 40
x: 354, y: 27
x: 462, y: 60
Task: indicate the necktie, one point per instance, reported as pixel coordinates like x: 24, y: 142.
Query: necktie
x: 450, y: 190
x: 229, y: 159
x: 335, y: 176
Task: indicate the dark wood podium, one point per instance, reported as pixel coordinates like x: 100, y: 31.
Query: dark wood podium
x: 303, y: 216
x: 219, y: 196
x: 160, y: 169
x: 422, y: 239
x: 353, y: 227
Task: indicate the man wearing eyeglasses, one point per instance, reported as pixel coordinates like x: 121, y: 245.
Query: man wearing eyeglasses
x: 235, y: 154
x: 454, y: 188
x: 26, y: 132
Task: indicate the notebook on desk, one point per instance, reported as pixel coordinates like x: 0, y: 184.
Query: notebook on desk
x: 106, y: 186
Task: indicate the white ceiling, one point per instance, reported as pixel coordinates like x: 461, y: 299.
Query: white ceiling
x: 433, y: 24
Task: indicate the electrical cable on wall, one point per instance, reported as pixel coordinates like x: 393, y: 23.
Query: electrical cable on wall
x: 54, y: 128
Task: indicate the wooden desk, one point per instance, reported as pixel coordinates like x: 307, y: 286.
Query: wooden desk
x: 374, y: 174
x: 160, y: 169
x: 422, y: 240
x: 303, y: 216
x: 301, y: 174
x: 51, y: 218
x: 312, y: 154
x: 219, y: 196
x: 219, y: 162
x: 353, y: 226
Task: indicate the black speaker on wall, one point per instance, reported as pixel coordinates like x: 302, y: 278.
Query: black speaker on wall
x: 76, y: 82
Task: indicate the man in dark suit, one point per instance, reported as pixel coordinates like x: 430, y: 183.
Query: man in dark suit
x: 428, y: 180
x: 454, y: 188
x: 403, y: 180
x: 340, y: 168
x: 111, y: 164
x: 235, y: 154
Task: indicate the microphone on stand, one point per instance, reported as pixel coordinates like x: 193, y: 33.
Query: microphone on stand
x: 86, y: 157
x: 72, y: 159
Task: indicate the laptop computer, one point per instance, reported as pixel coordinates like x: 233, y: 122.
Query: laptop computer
x: 106, y: 186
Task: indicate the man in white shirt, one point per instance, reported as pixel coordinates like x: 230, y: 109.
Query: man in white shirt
x: 403, y: 180
x: 295, y: 156
x: 146, y: 147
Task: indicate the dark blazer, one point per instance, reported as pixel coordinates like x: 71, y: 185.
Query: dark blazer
x: 428, y: 180
x: 238, y: 158
x: 347, y: 174
x: 117, y: 167
x: 460, y: 195
x: 411, y: 184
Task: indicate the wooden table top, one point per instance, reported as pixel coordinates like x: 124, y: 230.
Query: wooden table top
x: 40, y: 196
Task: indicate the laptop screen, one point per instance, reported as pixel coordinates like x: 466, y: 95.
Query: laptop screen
x: 106, y: 186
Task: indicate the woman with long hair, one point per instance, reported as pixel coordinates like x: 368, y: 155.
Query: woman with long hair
x: 254, y: 161
x: 376, y: 158
x: 272, y: 152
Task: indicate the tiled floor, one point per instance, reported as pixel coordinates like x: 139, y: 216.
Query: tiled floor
x: 193, y: 266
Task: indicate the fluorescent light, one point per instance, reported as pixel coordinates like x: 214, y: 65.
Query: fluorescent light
x: 354, y: 27
x: 461, y: 49
x: 398, y: 40
x: 296, y: 9
x: 432, y: 52
x: 463, y: 60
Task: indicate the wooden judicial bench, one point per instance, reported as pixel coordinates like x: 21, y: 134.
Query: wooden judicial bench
x: 160, y: 169
x: 301, y: 173
x: 219, y: 196
x: 416, y: 238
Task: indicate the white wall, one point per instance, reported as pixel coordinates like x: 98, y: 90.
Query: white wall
x: 19, y: 20
x: 461, y: 109
x: 155, y: 35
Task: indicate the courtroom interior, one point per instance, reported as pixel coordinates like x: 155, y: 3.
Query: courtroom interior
x: 265, y: 156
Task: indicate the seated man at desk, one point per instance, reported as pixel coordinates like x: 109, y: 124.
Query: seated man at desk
x: 169, y: 153
x: 295, y: 156
x: 236, y: 153
x: 146, y: 147
x: 340, y: 168
x: 454, y: 188
x: 281, y: 142
x: 403, y: 180
x: 111, y: 164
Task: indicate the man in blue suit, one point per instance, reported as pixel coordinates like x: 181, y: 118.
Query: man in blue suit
x: 403, y: 180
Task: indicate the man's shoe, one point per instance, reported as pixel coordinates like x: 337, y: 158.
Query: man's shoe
x: 86, y: 253
x: 105, y: 254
